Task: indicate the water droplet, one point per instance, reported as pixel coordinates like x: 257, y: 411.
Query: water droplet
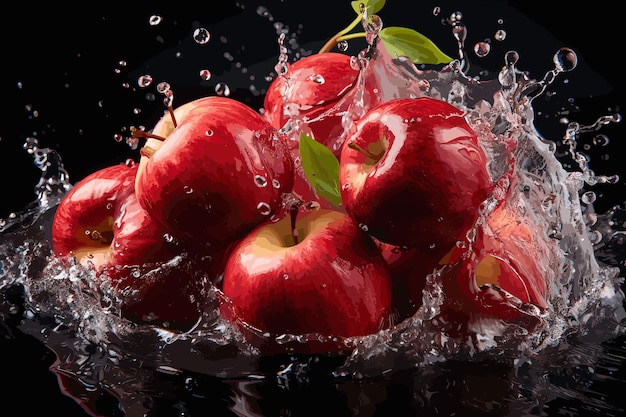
x: 312, y: 205
x: 601, y: 140
x: 275, y: 183
x: 436, y: 11
x: 285, y: 276
x: 264, y: 208
x: 500, y: 35
x: 482, y: 49
x: 163, y: 87
x: 144, y: 81
x: 222, y: 89
x: 317, y: 78
x: 373, y: 27
x: 342, y: 46
x: 260, y: 180
x: 205, y: 74
x: 595, y: 237
x: 588, y: 197
x: 187, y: 189
x: 363, y: 227
x: 155, y: 20
x: 209, y: 132
x: 201, y: 36
x: 565, y: 60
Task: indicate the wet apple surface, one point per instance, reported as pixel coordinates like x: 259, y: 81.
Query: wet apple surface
x: 177, y: 303
x: 102, y: 225
x: 414, y: 174
x: 220, y: 172
x: 327, y: 279
x: 308, y: 97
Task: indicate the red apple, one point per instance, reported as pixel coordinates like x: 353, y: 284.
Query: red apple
x: 102, y: 225
x: 508, y: 269
x: 414, y: 174
x: 309, y: 96
x: 408, y: 268
x: 332, y: 282
x: 219, y: 171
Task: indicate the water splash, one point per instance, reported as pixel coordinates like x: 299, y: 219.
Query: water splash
x: 77, y: 316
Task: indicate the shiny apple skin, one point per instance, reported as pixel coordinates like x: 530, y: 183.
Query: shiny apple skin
x: 508, y: 254
x: 200, y: 184
x: 408, y: 268
x: 425, y: 190
x: 335, y: 282
x: 84, y: 220
x: 155, y: 279
x: 302, y: 95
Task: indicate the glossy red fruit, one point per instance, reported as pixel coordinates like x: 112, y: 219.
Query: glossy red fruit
x: 333, y: 282
x: 508, y: 271
x: 414, y: 174
x: 309, y: 97
x: 219, y: 172
x: 408, y: 268
x: 101, y: 223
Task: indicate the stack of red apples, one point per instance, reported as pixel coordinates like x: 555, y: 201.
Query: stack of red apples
x: 329, y: 228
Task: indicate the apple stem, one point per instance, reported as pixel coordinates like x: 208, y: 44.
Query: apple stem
x: 365, y: 152
x: 170, y: 109
x: 138, y: 133
x: 332, y: 42
x: 293, y: 212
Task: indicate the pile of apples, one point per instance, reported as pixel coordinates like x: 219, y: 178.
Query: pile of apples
x: 330, y: 230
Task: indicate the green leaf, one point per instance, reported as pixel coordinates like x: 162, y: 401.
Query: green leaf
x: 401, y: 41
x: 372, y: 6
x: 321, y: 168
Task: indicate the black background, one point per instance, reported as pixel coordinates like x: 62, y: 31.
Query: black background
x: 62, y: 82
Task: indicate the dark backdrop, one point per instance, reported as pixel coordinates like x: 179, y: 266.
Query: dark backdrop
x: 63, y: 82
